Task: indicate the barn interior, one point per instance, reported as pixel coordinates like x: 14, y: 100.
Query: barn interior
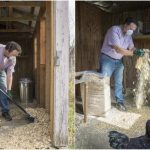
x: 93, y: 19
x: 25, y: 23
x: 28, y: 23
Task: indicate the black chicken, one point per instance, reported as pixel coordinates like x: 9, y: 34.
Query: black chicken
x: 121, y: 141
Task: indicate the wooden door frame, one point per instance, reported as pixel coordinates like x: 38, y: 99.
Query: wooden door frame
x: 58, y: 74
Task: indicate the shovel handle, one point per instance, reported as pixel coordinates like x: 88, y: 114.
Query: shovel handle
x: 10, y: 99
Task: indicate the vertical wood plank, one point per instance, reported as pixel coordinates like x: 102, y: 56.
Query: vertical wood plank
x: 38, y: 64
x: 48, y: 56
x: 88, y: 36
x: 42, y: 40
x: 49, y: 92
x: 85, y: 101
x: 42, y: 62
x: 60, y: 137
x: 57, y: 76
x: 35, y: 65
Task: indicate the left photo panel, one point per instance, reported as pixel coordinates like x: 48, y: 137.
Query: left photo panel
x: 37, y: 61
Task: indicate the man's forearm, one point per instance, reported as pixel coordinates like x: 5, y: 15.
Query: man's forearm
x: 123, y: 51
x: 9, y: 81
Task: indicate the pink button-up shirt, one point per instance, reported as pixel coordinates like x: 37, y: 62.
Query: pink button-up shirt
x: 115, y: 36
x: 7, y: 64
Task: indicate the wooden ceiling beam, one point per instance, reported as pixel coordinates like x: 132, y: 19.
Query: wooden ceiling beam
x: 15, y: 35
x: 23, y: 18
x: 16, y: 30
x: 21, y: 4
x: 18, y: 25
x: 23, y: 12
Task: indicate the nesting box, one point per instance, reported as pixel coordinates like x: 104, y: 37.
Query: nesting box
x: 98, y: 97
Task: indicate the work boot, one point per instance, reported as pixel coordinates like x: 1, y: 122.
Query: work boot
x: 121, y: 106
x: 7, y: 116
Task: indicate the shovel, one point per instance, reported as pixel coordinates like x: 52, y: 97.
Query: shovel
x: 28, y: 116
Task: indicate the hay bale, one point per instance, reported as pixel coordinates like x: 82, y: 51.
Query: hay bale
x: 142, y: 91
x: 98, y: 93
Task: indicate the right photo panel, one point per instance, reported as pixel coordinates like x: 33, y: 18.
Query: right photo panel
x: 112, y: 74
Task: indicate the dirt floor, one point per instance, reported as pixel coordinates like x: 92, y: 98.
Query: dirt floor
x: 20, y: 134
x: 94, y: 134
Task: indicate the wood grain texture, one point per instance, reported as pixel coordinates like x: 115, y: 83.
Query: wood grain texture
x: 50, y: 49
x: 48, y: 56
x: 61, y: 75
x: 38, y: 65
x: 42, y: 62
x: 88, y: 36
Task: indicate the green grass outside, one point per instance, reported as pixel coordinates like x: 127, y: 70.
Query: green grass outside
x: 71, y: 117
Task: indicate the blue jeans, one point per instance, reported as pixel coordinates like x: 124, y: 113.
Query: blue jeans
x: 109, y: 67
x: 4, y: 103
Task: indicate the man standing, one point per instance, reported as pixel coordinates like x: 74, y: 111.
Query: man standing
x: 8, y: 55
x: 118, y: 43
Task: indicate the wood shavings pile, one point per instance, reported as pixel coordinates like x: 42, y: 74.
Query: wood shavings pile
x: 142, y: 90
x: 29, y: 136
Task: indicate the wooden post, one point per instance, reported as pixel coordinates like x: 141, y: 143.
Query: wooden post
x: 49, y: 85
x: 57, y: 70
x: 61, y: 44
x: 48, y: 69
x: 85, y: 101
x: 39, y: 53
x: 38, y: 65
x: 35, y: 64
x: 42, y: 62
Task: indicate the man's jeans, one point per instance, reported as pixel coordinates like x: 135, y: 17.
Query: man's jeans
x: 109, y: 67
x: 3, y: 99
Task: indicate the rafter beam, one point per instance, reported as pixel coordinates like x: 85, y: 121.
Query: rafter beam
x: 15, y: 35
x: 18, y: 25
x: 21, y: 4
x: 23, y: 18
x: 23, y: 13
x: 16, y: 30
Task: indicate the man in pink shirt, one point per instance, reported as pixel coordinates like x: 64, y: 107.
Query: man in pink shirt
x: 8, y: 55
x: 118, y: 43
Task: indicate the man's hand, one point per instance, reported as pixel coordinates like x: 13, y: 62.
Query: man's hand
x: 9, y: 93
x: 139, y: 52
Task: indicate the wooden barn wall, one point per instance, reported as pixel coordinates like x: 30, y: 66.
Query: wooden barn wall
x: 39, y: 70
x: 89, y: 37
x: 119, y: 17
x: 24, y: 65
x: 129, y: 62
